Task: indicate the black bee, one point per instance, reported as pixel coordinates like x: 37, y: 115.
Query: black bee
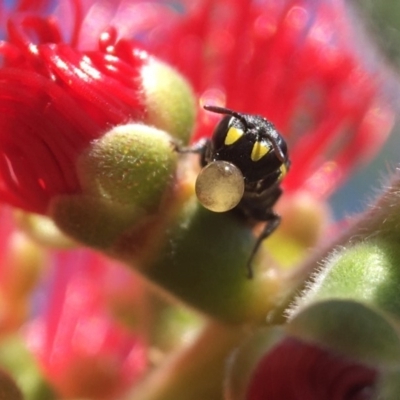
x: 252, y: 145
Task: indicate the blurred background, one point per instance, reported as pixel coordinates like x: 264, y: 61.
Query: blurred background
x: 382, y: 22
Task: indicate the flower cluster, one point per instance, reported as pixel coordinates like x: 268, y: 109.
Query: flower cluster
x: 97, y: 98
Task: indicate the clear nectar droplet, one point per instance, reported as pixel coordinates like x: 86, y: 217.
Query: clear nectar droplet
x: 220, y: 186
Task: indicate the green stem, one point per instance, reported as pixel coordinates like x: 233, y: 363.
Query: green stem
x: 197, y: 370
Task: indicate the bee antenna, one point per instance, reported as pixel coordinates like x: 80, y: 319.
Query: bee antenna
x: 227, y: 111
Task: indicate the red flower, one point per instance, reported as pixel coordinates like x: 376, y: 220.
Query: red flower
x: 54, y: 100
x: 83, y: 350
x: 295, y: 370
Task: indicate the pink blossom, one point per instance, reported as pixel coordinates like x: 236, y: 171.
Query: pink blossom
x: 82, y: 349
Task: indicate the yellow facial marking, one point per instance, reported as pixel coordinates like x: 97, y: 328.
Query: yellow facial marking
x: 233, y: 135
x: 260, y: 149
x: 283, y: 170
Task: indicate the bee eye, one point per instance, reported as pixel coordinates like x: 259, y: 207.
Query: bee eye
x: 220, y: 186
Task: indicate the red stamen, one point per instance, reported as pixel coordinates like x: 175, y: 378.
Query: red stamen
x: 54, y: 101
x: 295, y: 62
x: 75, y: 336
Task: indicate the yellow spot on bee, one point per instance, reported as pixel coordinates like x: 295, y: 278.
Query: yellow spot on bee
x: 260, y: 149
x: 233, y: 135
x: 283, y: 169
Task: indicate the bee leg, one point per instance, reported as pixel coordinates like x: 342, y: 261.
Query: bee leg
x: 202, y: 147
x: 272, y: 222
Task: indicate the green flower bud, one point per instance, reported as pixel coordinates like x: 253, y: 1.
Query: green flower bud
x: 125, y: 176
x: 368, y: 271
x: 130, y: 165
x: 169, y: 100
x: 349, y: 328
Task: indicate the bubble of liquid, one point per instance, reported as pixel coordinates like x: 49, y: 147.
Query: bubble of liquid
x: 219, y: 186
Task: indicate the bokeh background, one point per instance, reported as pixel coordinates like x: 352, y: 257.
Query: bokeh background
x: 381, y: 21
